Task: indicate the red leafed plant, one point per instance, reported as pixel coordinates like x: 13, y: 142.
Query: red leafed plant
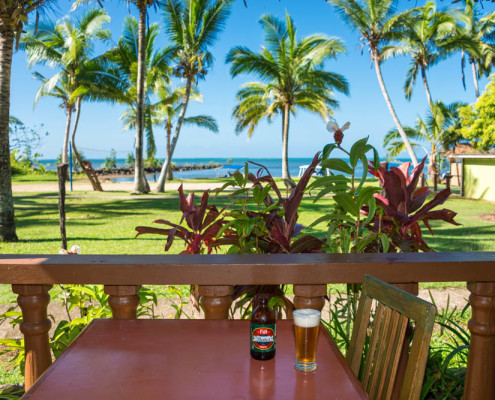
x: 404, y: 207
x: 271, y: 225
x: 204, y: 223
x: 255, y: 223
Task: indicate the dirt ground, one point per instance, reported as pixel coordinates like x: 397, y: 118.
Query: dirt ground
x: 457, y: 298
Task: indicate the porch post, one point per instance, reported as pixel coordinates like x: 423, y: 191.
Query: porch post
x: 480, y: 375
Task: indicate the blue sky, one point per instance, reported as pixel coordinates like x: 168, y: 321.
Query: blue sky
x: 101, y: 129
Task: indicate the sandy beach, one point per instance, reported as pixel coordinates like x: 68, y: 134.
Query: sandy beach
x: 85, y: 186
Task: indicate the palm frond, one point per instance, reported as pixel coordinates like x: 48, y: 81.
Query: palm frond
x: 202, y: 121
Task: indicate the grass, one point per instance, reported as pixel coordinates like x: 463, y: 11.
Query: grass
x: 103, y: 223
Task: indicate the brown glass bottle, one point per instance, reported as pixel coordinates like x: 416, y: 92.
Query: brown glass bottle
x: 263, y: 333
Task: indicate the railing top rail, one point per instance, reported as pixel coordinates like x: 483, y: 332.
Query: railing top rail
x: 225, y: 269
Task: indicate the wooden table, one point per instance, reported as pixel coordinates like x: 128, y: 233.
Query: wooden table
x: 189, y: 359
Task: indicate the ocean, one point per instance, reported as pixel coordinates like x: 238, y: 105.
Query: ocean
x: 274, y: 165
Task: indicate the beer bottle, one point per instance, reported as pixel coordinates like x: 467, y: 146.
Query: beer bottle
x: 263, y: 331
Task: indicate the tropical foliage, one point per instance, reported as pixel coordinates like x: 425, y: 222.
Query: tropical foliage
x: 292, y: 76
x: 192, y: 28
x: 69, y: 48
x: 436, y: 130
x: 481, y: 31
x: 478, y: 121
x: 165, y: 112
x: 430, y: 35
x: 378, y: 24
x: 122, y: 62
x: 364, y: 220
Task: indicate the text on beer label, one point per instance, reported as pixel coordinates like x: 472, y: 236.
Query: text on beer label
x: 263, y: 337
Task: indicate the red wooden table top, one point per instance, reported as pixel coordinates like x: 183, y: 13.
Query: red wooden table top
x: 189, y: 359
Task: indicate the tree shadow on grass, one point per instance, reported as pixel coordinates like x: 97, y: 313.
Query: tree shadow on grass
x: 459, y: 238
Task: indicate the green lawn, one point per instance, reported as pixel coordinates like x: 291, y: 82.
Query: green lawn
x: 103, y: 224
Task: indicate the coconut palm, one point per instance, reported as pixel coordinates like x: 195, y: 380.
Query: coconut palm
x: 140, y: 183
x: 13, y: 16
x: 292, y: 77
x: 378, y: 24
x: 482, y: 31
x: 192, y: 28
x: 434, y: 130
x: 165, y: 112
x: 122, y: 61
x: 69, y: 47
x: 430, y: 37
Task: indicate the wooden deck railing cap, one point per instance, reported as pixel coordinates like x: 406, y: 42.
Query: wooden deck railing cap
x: 222, y: 269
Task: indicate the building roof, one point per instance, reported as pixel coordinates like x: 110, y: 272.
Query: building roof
x: 463, y: 150
x: 460, y: 156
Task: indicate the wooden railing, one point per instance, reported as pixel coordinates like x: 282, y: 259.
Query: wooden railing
x: 31, y: 277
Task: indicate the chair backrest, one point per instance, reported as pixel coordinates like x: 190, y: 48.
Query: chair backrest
x: 392, y: 365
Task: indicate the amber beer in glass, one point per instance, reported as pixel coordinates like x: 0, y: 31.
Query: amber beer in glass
x: 306, y: 324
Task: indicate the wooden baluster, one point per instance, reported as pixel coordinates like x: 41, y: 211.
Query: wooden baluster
x: 480, y: 375
x: 123, y: 300
x: 309, y: 296
x: 412, y: 288
x: 216, y: 301
x: 35, y: 325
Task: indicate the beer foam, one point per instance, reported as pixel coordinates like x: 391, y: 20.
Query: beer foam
x: 306, y: 317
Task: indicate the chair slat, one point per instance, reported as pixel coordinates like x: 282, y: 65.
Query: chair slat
x: 381, y: 354
x: 354, y: 354
x: 389, y: 352
x: 369, y: 362
x: 393, y: 367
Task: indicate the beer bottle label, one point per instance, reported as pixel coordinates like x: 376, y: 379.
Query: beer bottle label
x: 263, y: 337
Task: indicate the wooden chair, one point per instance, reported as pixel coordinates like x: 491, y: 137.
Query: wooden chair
x: 393, y: 365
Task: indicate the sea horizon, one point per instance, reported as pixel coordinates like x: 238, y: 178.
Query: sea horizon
x: 274, y: 165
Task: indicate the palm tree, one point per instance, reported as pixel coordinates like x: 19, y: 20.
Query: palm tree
x: 13, y: 16
x: 430, y: 37
x: 481, y: 30
x: 165, y: 112
x: 293, y: 76
x: 122, y: 61
x: 69, y: 47
x: 434, y: 130
x: 193, y: 26
x: 140, y: 183
x: 378, y: 25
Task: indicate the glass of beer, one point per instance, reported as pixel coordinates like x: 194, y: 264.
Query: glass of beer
x: 306, y: 324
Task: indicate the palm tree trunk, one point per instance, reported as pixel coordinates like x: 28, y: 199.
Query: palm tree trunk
x: 7, y: 223
x: 95, y: 183
x: 427, y: 88
x: 432, y: 161
x: 160, y: 185
x: 140, y: 183
x: 68, y: 123
x: 170, y: 174
x: 285, y: 143
x: 475, y: 78
x: 392, y: 110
